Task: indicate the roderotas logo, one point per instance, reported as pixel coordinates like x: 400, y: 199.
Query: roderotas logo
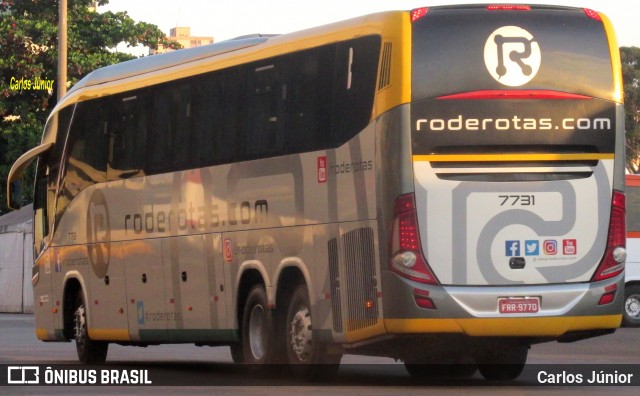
x: 512, y: 56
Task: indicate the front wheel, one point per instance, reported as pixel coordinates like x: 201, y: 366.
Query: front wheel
x: 307, y: 356
x: 631, y: 317
x: 89, y: 351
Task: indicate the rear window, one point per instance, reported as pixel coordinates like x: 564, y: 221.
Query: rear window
x: 471, y: 48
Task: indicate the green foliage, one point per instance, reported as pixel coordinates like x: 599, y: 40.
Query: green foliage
x: 28, y: 51
x: 630, y: 57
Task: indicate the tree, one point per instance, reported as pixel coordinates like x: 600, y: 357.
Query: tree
x: 630, y: 57
x: 28, y: 57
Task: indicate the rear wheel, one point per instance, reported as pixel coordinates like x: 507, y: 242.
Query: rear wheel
x: 259, y: 347
x: 237, y: 355
x: 506, y: 363
x: 308, y: 357
x: 631, y: 317
x: 89, y: 351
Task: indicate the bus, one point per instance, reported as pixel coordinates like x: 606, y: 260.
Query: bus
x: 632, y: 271
x: 442, y: 186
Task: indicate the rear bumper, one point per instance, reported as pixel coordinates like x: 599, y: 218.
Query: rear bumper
x: 473, y: 311
x: 504, y: 327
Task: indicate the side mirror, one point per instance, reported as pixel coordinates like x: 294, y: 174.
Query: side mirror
x: 15, y: 194
x: 14, y: 179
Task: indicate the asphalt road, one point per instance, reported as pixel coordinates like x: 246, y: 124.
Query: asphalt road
x: 209, y: 370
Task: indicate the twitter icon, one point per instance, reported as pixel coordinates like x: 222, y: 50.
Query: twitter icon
x: 532, y: 248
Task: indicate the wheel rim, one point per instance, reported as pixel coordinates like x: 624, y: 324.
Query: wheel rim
x: 256, y: 332
x: 300, y: 334
x: 80, y: 326
x: 632, y: 306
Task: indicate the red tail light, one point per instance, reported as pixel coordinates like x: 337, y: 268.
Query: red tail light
x: 612, y: 263
x: 508, y: 7
x: 418, y: 13
x: 592, y: 14
x: 406, y: 258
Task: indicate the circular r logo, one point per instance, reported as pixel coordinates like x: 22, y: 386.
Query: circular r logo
x: 512, y: 56
x: 98, y: 233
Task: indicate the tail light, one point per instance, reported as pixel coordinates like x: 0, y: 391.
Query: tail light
x: 612, y: 263
x: 508, y: 7
x: 592, y: 14
x: 418, y: 13
x: 406, y: 258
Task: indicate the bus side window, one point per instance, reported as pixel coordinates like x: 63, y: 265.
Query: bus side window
x: 206, y: 119
x: 85, y: 155
x: 128, y: 137
x: 40, y: 219
x: 266, y: 107
x: 355, y: 84
x: 46, y: 184
x: 183, y: 142
x: 162, y: 125
x: 310, y: 100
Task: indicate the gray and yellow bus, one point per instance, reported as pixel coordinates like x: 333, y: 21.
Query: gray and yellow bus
x: 441, y: 185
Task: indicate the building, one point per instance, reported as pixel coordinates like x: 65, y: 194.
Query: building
x: 183, y: 36
x: 16, y: 261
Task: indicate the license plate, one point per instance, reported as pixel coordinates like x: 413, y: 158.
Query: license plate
x: 517, y: 305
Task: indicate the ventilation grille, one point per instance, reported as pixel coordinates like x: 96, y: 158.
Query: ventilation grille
x: 334, y: 275
x: 385, y: 67
x: 360, y: 278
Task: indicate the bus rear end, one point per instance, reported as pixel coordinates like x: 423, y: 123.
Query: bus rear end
x: 515, y: 232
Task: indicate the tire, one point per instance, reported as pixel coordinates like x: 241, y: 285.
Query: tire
x: 237, y: 355
x: 260, y: 351
x: 89, y: 351
x: 631, y: 315
x: 503, y: 363
x: 308, y: 357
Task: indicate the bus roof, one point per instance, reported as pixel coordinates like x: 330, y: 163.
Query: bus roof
x: 153, y: 63
x: 128, y: 75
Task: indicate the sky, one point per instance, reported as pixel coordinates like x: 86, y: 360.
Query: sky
x: 228, y: 19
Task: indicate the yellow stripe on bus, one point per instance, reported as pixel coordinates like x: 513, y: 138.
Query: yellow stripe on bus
x: 110, y: 334
x: 616, y: 65
x: 544, y: 326
x: 511, y: 157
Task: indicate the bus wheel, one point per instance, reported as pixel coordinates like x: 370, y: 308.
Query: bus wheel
x: 504, y: 363
x: 258, y: 342
x: 631, y: 317
x: 307, y: 356
x: 237, y: 355
x: 89, y: 351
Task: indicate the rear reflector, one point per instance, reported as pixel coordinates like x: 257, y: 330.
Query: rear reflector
x: 508, y: 7
x: 422, y: 299
x: 607, y: 298
x: 515, y: 94
x: 592, y: 14
x: 418, y: 13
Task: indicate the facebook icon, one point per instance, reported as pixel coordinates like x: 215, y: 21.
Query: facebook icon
x: 512, y: 248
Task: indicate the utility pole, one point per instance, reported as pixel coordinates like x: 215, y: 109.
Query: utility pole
x: 62, y: 49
